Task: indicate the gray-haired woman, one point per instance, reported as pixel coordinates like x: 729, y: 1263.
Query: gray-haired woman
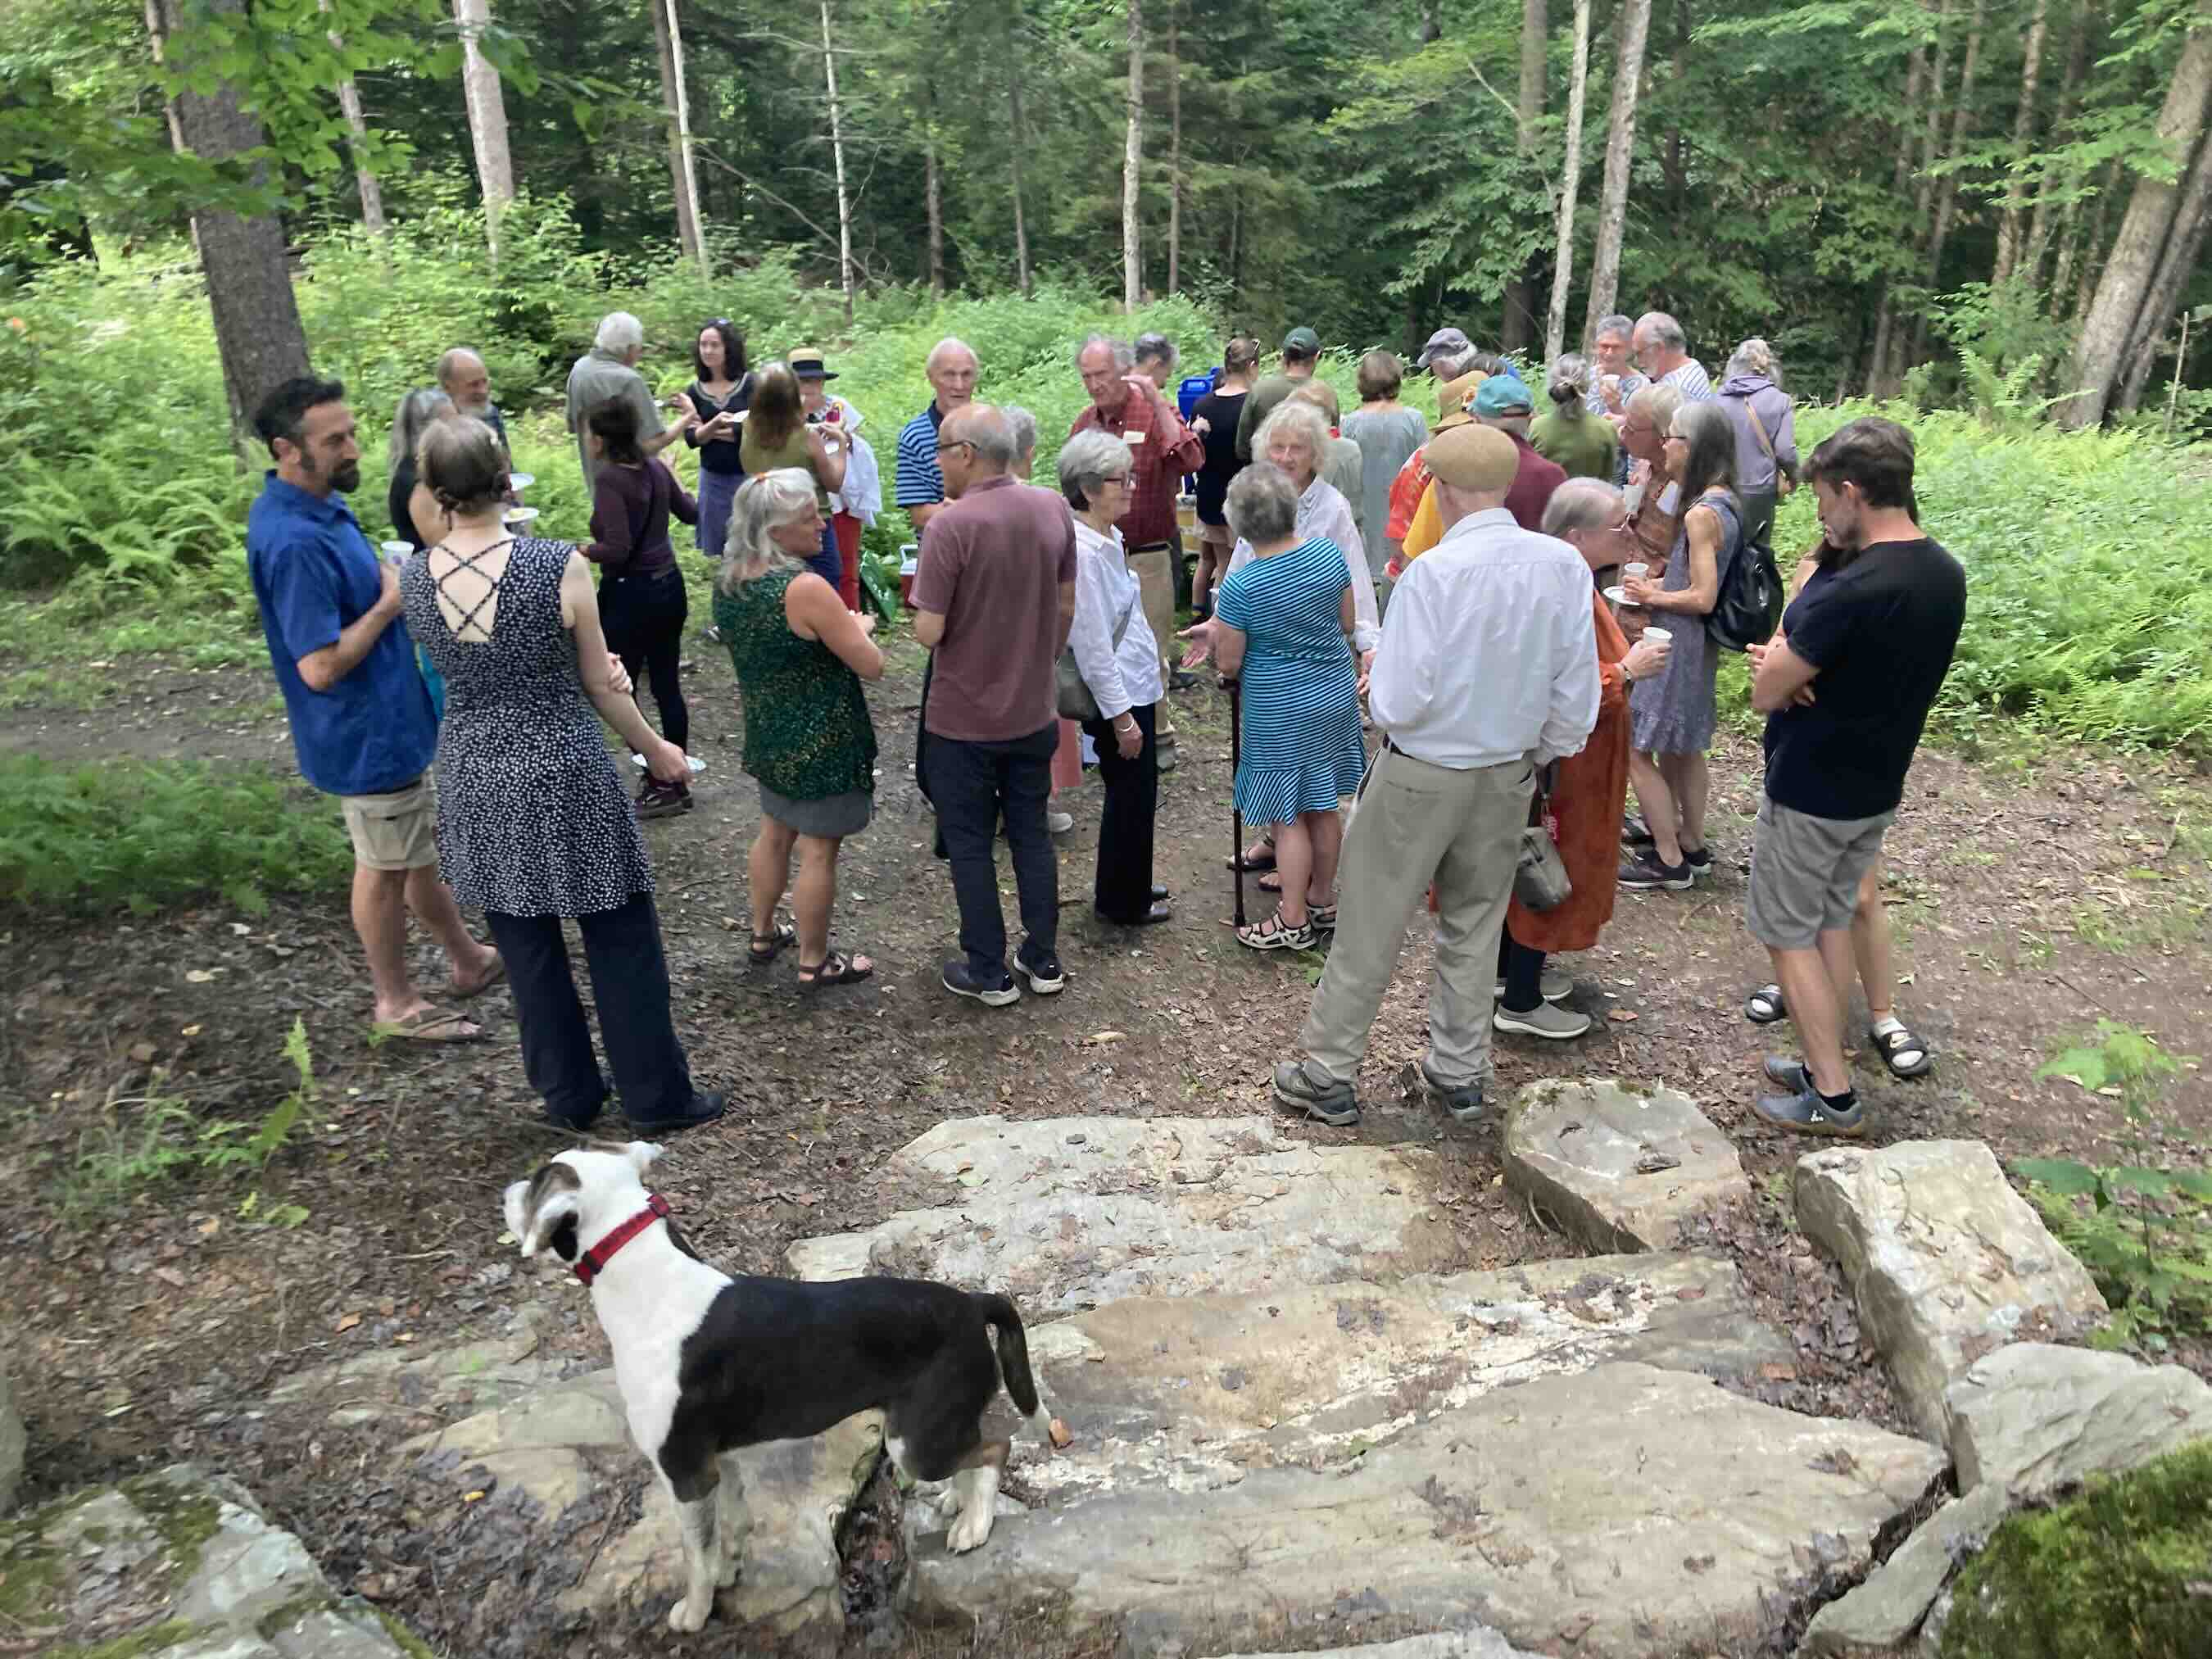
x: 800, y: 657
x: 1765, y: 437
x: 1119, y: 662
x: 413, y: 519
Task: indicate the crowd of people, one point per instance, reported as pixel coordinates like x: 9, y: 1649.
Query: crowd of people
x: 1455, y: 645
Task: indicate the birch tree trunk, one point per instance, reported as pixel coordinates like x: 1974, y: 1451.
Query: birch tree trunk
x: 933, y: 203
x: 2176, y: 265
x: 1946, y: 195
x: 1518, y: 325
x: 2112, y: 324
x: 1620, y: 138
x: 682, y: 179
x: 2023, y: 140
x: 372, y: 193
x: 1174, y: 146
x: 1133, y: 269
x: 257, y: 330
x: 1014, y: 159
x: 1939, y: 69
x: 487, y: 116
x: 1562, y: 263
x: 1878, y: 357
x: 838, y: 157
x: 2070, y: 91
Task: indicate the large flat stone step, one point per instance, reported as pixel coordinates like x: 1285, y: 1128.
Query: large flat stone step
x: 1621, y: 1511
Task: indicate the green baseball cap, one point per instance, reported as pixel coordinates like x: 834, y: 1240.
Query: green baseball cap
x: 1303, y: 341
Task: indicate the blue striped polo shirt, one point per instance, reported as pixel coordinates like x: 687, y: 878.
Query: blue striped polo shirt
x: 920, y: 480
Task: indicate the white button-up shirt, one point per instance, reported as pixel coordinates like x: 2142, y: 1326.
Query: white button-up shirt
x: 1322, y: 511
x: 1120, y: 678
x: 1487, y: 654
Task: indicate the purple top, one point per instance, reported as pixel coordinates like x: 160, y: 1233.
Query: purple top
x: 630, y: 506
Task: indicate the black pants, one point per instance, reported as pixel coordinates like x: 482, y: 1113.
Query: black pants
x: 643, y: 616
x: 972, y: 785
x: 1124, y: 889
x: 1523, y: 970
x: 629, y: 982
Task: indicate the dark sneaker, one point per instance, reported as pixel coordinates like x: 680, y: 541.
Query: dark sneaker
x: 705, y: 1109
x: 993, y: 992
x: 1635, y: 833
x: 1044, y: 975
x: 1646, y: 871
x: 663, y: 800
x: 1789, y: 1073
x: 1701, y: 863
x: 1807, y: 1113
x: 1331, y: 1102
x: 1463, y: 1101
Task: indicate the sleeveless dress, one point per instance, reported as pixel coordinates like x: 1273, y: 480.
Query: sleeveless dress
x: 1674, y: 713
x: 533, y: 817
x: 809, y: 741
x: 1300, y: 747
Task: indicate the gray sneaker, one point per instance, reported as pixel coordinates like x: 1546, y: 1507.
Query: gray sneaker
x: 1807, y: 1113
x: 1559, y: 1024
x: 1331, y: 1102
x: 1463, y: 1101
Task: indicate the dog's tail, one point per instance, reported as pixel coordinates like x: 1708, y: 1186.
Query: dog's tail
x: 1014, y: 1362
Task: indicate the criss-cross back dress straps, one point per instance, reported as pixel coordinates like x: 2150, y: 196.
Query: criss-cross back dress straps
x: 468, y: 562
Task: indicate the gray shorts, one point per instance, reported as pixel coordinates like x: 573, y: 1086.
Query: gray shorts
x: 828, y: 817
x: 1805, y: 874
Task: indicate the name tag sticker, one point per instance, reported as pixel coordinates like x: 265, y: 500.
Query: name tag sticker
x: 1134, y: 437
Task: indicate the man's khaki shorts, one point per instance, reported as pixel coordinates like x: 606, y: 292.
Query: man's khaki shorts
x: 397, y: 831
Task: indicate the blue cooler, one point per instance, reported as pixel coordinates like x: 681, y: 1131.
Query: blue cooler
x: 1193, y: 387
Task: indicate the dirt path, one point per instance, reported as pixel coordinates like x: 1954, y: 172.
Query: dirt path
x: 149, y: 1315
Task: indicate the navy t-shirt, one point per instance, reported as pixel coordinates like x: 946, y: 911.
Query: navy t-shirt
x: 1881, y: 631
x: 1221, y: 410
x: 314, y: 574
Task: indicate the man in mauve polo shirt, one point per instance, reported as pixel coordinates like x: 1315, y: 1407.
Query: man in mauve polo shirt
x: 994, y: 599
x: 1126, y: 404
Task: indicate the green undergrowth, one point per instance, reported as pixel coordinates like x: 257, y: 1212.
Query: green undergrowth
x: 142, y: 835
x: 2122, y: 1571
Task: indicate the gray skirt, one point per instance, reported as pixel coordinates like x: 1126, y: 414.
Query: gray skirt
x: 828, y: 818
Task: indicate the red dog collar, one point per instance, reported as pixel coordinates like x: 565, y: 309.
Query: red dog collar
x: 595, y: 1260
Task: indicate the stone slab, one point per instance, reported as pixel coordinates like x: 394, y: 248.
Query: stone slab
x: 1188, y: 1393
x: 1945, y: 1258
x: 1067, y: 1213
x: 1619, y: 1512
x: 1878, y: 1616
x: 1621, y: 1171
x: 2034, y: 1417
x: 407, y: 1387
x: 189, y: 1554
x: 1448, y: 1644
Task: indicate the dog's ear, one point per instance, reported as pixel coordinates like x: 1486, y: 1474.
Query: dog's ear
x: 551, y: 1211
x: 641, y: 1154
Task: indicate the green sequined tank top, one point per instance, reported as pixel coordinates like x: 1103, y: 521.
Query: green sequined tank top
x: 807, y: 732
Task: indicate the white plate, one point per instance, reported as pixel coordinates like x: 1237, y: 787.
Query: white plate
x: 516, y: 516
x: 519, y: 482
x: 697, y: 765
x: 1615, y: 595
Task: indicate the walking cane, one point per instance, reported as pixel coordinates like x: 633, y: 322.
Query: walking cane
x: 1236, y: 816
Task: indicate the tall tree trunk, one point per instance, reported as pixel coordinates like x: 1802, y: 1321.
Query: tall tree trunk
x: 258, y: 331
x: 683, y: 180
x: 1634, y: 25
x: 1174, y: 146
x: 1132, y: 265
x: 487, y: 116
x: 372, y: 193
x: 2072, y: 240
x: 2176, y: 265
x: 934, y: 201
x: 1877, y: 363
x: 2070, y: 91
x: 2023, y: 141
x: 1432, y: 23
x: 1923, y: 201
x: 1947, y: 195
x: 1563, y: 264
x: 2111, y: 325
x: 837, y: 158
x: 2089, y: 245
x: 1518, y: 326
x: 1014, y: 159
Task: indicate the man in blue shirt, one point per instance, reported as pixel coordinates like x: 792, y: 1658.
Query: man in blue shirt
x: 951, y: 369
x: 360, y: 713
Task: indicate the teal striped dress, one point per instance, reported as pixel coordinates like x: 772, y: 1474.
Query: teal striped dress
x: 1300, y: 747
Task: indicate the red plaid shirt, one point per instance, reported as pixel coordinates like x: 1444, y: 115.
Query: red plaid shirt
x: 1165, y: 449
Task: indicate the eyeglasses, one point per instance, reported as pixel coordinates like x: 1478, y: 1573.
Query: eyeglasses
x: 956, y: 443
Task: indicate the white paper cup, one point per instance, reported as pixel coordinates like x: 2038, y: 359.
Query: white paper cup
x: 1663, y: 635
x: 395, y: 551
x: 1636, y: 571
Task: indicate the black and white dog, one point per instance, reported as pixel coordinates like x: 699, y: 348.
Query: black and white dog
x: 707, y: 1364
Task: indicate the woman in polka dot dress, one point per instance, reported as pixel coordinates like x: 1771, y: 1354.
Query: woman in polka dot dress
x: 533, y: 823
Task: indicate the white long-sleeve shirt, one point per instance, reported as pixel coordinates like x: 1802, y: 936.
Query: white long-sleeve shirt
x: 1322, y: 511
x: 1129, y: 676
x: 1487, y: 654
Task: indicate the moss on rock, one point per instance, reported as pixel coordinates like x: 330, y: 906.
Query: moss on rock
x: 2122, y: 1571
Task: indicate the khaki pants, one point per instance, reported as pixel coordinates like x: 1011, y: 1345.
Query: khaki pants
x: 1418, y: 824
x: 1155, y: 574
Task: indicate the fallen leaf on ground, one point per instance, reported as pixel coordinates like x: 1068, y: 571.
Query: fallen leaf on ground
x: 1620, y: 1016
x: 1103, y: 1036
x: 200, y: 975
x: 347, y: 1322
